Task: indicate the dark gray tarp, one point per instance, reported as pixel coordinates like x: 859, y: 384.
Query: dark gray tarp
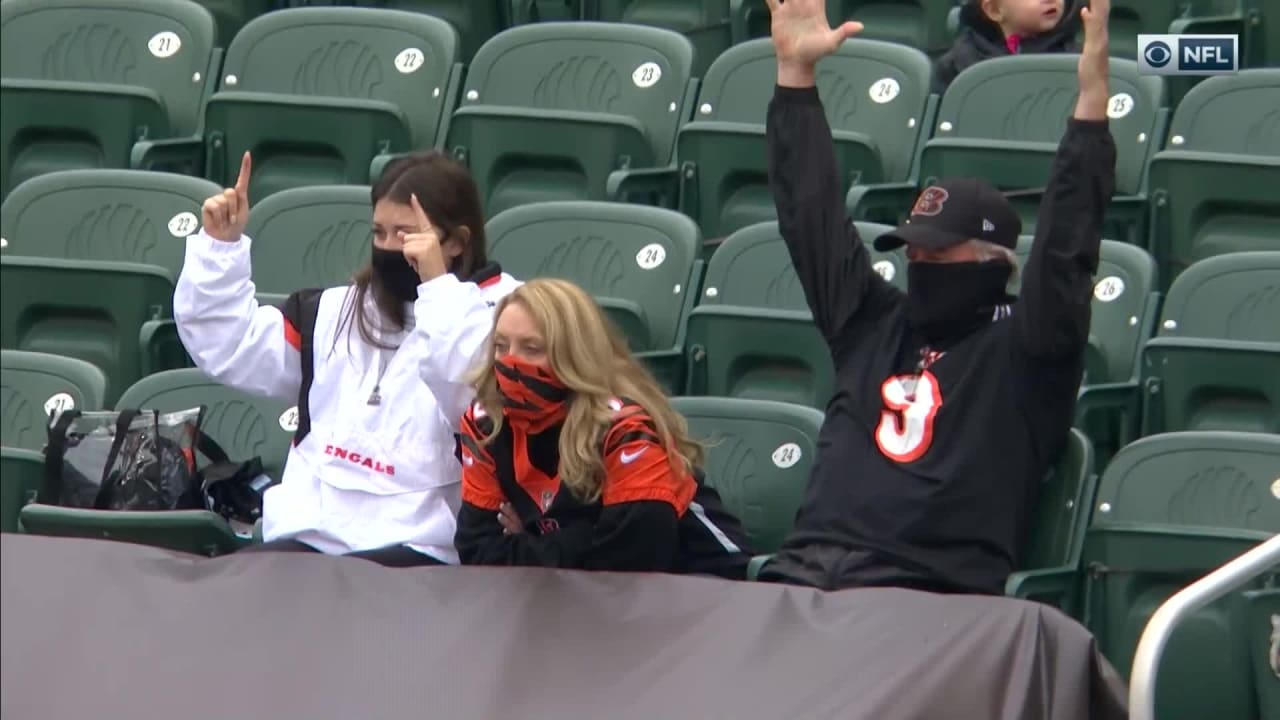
x: 94, y: 629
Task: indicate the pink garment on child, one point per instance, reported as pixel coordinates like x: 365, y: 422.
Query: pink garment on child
x: 1013, y: 42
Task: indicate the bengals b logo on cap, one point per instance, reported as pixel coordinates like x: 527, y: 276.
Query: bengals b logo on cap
x: 930, y: 201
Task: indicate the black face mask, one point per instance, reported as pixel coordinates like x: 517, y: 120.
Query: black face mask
x: 946, y: 301
x: 393, y: 271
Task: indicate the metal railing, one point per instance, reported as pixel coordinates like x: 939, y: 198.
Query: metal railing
x: 1142, y: 680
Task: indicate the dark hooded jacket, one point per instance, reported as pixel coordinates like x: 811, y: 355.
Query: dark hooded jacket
x: 979, y: 39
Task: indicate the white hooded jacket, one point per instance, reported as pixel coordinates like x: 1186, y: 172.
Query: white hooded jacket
x: 361, y: 474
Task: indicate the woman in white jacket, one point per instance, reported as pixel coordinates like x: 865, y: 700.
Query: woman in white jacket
x: 377, y: 368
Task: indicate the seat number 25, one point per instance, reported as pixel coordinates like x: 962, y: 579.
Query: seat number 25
x: 905, y: 431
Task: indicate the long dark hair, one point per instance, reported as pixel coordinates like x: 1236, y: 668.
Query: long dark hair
x: 449, y: 196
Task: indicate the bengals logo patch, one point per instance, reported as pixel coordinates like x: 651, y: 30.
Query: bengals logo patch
x: 930, y: 201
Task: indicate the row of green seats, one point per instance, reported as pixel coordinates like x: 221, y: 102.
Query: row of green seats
x: 735, y: 324
x: 616, y: 109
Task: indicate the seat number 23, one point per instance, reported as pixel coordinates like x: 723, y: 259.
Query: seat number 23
x: 905, y: 431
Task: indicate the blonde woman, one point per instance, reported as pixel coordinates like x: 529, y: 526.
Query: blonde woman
x: 573, y: 458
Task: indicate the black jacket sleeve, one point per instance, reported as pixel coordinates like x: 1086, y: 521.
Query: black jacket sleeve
x: 834, y: 268
x: 1053, y: 306
x: 633, y: 536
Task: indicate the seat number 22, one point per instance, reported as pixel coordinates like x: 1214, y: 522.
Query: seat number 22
x: 905, y: 431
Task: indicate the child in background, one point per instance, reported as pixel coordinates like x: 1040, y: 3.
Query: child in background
x: 994, y: 28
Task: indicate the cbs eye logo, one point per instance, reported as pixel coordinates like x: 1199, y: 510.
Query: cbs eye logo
x: 1157, y: 54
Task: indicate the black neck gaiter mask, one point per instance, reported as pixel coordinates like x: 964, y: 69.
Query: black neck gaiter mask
x: 947, y: 301
x: 394, y: 272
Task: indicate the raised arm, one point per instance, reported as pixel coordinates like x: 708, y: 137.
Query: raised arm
x: 833, y: 266
x: 232, y: 339
x: 1057, y: 284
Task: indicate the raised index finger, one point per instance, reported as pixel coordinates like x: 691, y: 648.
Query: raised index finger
x: 424, y: 225
x: 246, y: 168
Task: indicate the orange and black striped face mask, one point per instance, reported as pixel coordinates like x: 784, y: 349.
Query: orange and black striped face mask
x: 533, y: 398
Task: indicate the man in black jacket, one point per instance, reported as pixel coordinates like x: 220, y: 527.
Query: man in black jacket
x: 952, y: 399
x: 996, y: 28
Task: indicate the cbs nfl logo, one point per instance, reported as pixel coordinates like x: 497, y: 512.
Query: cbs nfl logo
x: 1188, y: 54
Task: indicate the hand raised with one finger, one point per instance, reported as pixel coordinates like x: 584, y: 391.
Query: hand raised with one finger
x: 226, y: 214
x: 422, y: 248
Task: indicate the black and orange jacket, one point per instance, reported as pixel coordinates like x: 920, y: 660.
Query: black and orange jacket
x: 648, y: 517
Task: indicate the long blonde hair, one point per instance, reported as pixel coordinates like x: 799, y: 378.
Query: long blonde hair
x: 587, y: 353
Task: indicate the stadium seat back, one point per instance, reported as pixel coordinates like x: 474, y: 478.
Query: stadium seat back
x: 550, y: 109
x: 1230, y: 114
x: 83, y: 82
x: 759, y: 457
x: 21, y: 473
x: 637, y: 261
x: 876, y: 97
x: 118, y: 215
x: 96, y: 311
x: 309, y: 237
x: 1169, y: 509
x: 1213, y: 187
x: 1062, y: 510
x: 316, y: 93
x: 639, y: 72
x: 1216, y: 361
x: 1002, y: 119
x: 1209, y: 479
x: 1122, y: 306
x: 246, y: 426
x: 35, y: 386
x: 752, y: 334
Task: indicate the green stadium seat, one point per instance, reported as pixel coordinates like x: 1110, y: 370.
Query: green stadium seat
x: 639, y: 262
x: 21, y: 472
x: 308, y: 237
x: 246, y: 426
x: 1261, y: 39
x: 1213, y: 187
x: 1215, y: 363
x: 35, y: 386
x: 111, y: 322
x: 1061, y: 515
x: 1124, y: 309
x: 551, y: 109
x: 704, y: 22
x: 877, y: 101
x: 109, y: 88
x: 752, y: 335
x: 1261, y: 628
x: 921, y: 24
x: 105, y: 215
x: 1169, y: 509
x: 759, y: 456
x: 322, y: 96
x: 198, y: 532
x: 1002, y: 119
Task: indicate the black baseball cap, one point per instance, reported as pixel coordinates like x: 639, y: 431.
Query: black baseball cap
x: 952, y: 211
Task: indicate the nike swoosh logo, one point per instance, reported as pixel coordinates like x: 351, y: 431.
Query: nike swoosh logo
x: 628, y: 457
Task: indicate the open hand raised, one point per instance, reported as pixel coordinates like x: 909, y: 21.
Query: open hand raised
x: 1094, y: 67
x: 226, y: 213
x: 802, y: 36
x: 422, y: 248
